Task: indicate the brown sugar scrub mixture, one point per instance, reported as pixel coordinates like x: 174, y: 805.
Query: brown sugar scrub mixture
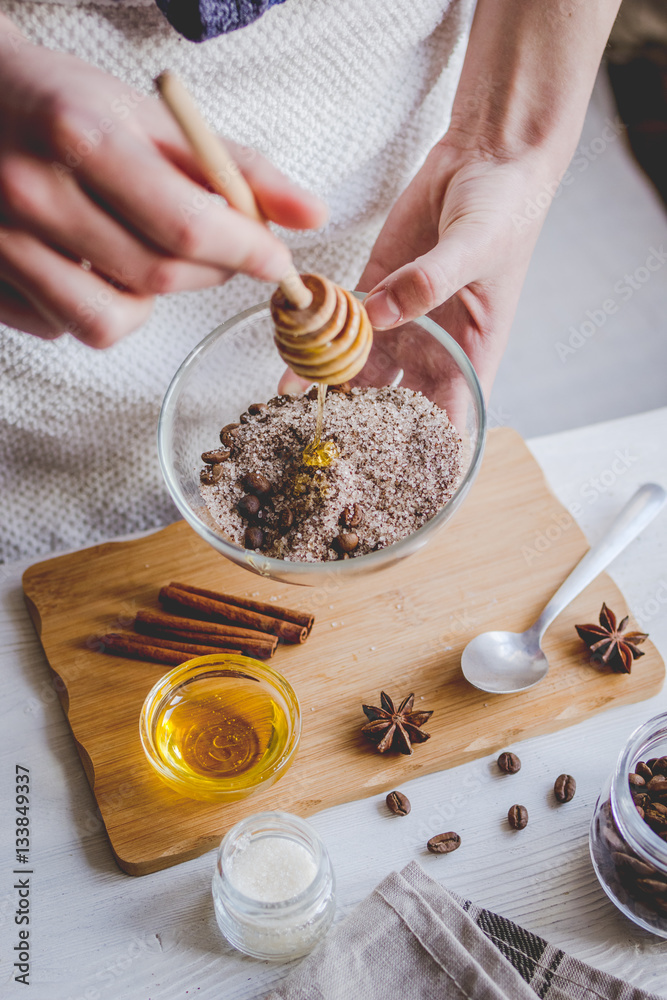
x: 397, y: 461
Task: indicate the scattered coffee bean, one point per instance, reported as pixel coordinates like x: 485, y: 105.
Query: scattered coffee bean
x: 517, y: 817
x: 249, y: 506
x: 285, y: 520
x: 636, y: 780
x: 346, y: 541
x: 344, y: 387
x: 214, y: 457
x: 228, y: 433
x: 444, y: 843
x: 509, y: 763
x: 312, y: 393
x: 258, y: 409
x: 255, y: 482
x: 211, y: 474
x: 254, y: 538
x: 398, y: 803
x: 351, y: 516
x: 564, y: 788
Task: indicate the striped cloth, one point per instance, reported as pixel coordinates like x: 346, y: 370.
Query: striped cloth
x: 411, y: 939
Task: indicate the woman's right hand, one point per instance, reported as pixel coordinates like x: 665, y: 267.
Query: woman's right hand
x: 93, y: 171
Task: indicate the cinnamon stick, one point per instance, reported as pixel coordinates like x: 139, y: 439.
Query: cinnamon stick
x: 157, y: 623
x: 262, y: 607
x: 137, y: 648
x: 212, y: 610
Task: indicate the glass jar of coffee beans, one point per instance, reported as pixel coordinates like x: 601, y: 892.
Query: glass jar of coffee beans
x: 628, y: 836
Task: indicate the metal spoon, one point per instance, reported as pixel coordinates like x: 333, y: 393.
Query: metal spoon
x: 505, y: 662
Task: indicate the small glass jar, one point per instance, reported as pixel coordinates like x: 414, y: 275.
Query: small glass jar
x: 274, y: 929
x: 629, y: 857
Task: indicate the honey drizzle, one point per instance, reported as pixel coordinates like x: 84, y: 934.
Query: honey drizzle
x: 320, y: 453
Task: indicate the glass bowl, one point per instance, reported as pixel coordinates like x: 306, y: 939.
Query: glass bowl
x: 238, y: 364
x: 220, y: 727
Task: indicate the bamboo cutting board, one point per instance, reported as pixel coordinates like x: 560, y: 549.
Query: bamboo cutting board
x: 400, y: 630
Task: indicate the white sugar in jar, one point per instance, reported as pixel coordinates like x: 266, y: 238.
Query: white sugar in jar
x: 273, y: 887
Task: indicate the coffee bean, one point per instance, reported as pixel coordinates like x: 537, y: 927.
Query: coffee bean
x: 636, y: 780
x: 312, y: 393
x: 343, y: 387
x: 346, y: 541
x: 444, y: 843
x: 656, y: 820
x: 509, y: 763
x: 658, y: 783
x: 628, y: 861
x: 228, y: 433
x: 398, y: 803
x: 249, y: 506
x: 258, y: 409
x: 660, y: 766
x: 214, y: 457
x: 652, y: 886
x: 254, y: 538
x: 564, y: 788
x: 517, y: 817
x: 651, y: 762
x: 351, y: 516
x: 644, y: 771
x: 640, y: 811
x: 255, y: 482
x: 211, y: 474
x: 285, y: 520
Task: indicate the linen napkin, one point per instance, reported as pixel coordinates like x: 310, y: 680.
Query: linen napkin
x: 411, y: 939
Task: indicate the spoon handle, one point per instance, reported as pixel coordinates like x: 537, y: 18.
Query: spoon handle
x: 638, y: 512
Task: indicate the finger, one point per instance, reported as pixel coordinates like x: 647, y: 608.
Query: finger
x: 67, y: 297
x: 15, y: 311
x: 292, y: 384
x: 175, y: 214
x: 55, y: 209
x: 279, y: 198
x: 422, y: 285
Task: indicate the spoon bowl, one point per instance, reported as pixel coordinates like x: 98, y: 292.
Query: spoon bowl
x: 508, y: 662
x: 504, y: 662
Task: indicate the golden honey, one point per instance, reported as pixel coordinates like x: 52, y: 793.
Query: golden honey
x: 319, y: 453
x: 221, y: 727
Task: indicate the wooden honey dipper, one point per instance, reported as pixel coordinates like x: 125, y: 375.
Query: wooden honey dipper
x: 323, y: 332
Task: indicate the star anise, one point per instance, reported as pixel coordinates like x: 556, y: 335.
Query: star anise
x: 612, y: 643
x: 393, y: 728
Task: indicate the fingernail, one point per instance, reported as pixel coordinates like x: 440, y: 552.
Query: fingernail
x: 383, y: 309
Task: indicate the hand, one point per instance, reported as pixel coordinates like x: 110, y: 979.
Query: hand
x: 455, y: 247
x: 91, y: 170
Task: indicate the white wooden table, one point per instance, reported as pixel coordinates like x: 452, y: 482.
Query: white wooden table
x: 97, y: 933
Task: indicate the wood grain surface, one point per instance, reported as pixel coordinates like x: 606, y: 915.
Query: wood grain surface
x: 401, y: 630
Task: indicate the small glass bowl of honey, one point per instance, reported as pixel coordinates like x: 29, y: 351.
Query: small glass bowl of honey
x: 220, y: 727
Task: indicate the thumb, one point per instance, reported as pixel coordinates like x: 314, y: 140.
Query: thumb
x: 416, y: 288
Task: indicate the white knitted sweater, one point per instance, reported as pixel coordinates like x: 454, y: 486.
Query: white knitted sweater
x: 370, y: 82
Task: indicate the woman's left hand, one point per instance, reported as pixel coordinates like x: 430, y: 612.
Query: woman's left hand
x: 456, y: 247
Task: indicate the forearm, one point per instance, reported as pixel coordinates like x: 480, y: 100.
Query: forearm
x: 528, y: 75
